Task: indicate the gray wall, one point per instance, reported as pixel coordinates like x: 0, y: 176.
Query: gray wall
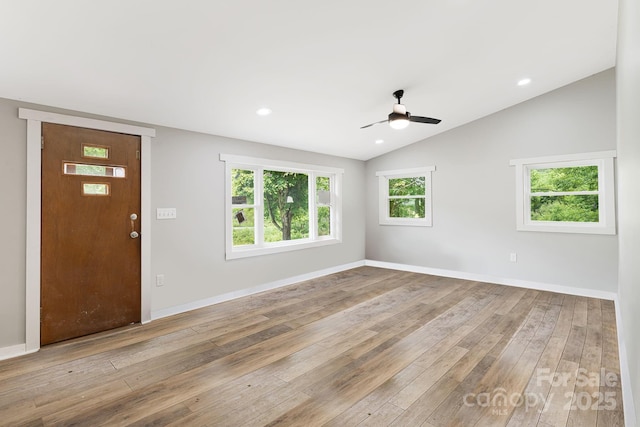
x: 189, y: 251
x: 186, y: 174
x: 474, y: 228
x: 628, y: 85
x: 13, y: 199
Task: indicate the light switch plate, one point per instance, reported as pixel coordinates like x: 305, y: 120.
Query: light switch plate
x: 166, y: 213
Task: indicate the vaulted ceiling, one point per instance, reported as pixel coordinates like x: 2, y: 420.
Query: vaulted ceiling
x: 324, y: 68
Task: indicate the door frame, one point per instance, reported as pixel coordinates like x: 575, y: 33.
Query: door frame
x: 35, y: 118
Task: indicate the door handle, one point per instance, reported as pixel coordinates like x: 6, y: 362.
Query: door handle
x: 134, y: 234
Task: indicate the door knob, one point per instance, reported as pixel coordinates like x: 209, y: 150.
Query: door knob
x: 134, y: 234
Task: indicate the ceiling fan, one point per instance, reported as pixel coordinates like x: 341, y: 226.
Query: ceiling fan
x: 400, y: 117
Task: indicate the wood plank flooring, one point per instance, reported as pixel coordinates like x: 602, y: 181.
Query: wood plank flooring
x: 364, y: 347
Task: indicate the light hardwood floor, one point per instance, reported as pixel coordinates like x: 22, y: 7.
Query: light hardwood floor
x: 364, y: 347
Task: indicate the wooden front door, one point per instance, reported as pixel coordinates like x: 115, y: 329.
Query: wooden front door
x: 90, y: 249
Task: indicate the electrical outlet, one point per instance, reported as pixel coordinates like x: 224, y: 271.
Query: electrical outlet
x: 513, y: 257
x: 166, y: 213
x: 159, y: 280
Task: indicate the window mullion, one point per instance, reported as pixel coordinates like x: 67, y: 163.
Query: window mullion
x: 411, y: 196
x: 332, y: 206
x: 259, y: 209
x: 564, y: 193
x: 387, y: 199
x: 312, y: 206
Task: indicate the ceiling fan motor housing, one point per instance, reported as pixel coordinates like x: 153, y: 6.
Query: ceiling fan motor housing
x: 399, y: 118
x: 399, y: 113
x: 399, y: 109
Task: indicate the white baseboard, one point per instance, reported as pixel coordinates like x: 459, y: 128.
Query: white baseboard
x: 170, y: 311
x: 539, y: 286
x: 14, y: 351
x: 629, y: 411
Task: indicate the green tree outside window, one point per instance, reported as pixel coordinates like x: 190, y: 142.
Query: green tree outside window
x: 407, y: 197
x: 565, y: 194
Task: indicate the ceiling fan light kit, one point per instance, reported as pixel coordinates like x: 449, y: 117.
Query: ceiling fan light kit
x: 400, y: 117
x: 398, y: 121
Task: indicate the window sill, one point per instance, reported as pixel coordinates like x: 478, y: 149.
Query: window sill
x: 407, y: 222
x: 550, y: 227
x: 274, y: 248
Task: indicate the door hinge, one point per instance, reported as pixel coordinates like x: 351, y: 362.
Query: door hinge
x: 137, y: 154
x: 42, y: 142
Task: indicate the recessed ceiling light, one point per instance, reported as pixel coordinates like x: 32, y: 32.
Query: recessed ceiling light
x: 524, y: 82
x: 263, y: 111
x: 379, y: 141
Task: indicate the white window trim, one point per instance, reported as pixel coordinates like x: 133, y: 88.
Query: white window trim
x: 258, y: 165
x: 383, y: 196
x: 606, y: 191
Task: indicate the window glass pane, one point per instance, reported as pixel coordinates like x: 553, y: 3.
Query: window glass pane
x: 407, y: 186
x: 95, y: 151
x: 95, y: 189
x: 243, y: 227
x: 324, y: 220
x: 94, y: 170
x: 581, y: 178
x: 242, y: 186
x: 582, y: 208
x: 323, y: 186
x: 407, y: 208
x: 286, y: 206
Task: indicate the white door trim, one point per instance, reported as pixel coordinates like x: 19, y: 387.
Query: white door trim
x: 35, y: 119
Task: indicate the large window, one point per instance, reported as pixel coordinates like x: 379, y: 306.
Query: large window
x: 275, y: 206
x: 405, y: 197
x: 570, y: 194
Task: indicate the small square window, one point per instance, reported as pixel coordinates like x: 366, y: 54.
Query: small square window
x: 96, y: 189
x: 95, y: 151
x: 569, y: 194
x: 405, y: 197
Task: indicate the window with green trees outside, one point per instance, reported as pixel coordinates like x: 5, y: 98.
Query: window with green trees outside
x: 572, y: 193
x: 565, y: 194
x: 270, y: 206
x: 405, y: 196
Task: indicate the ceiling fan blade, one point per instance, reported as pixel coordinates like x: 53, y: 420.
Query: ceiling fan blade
x: 381, y: 121
x: 420, y: 119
